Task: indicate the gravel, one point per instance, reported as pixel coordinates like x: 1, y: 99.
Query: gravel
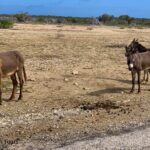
x: 138, y: 139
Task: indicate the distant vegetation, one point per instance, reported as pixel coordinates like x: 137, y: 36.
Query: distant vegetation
x: 5, y: 24
x: 21, y: 17
x: 106, y: 19
x: 123, y: 20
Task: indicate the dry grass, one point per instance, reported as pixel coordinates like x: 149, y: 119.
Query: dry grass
x: 52, y: 54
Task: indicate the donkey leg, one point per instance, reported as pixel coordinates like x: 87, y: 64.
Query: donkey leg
x: 139, y: 82
x: 15, y: 83
x: 133, y: 81
x: 147, y: 75
x: 20, y: 77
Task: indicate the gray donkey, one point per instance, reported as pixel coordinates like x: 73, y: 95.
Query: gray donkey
x: 12, y: 64
x: 136, y: 63
x: 135, y: 47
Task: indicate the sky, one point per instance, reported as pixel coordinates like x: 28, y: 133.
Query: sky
x: 78, y: 8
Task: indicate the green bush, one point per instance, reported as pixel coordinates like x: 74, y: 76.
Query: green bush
x: 5, y: 24
x: 22, y: 17
x: 41, y: 20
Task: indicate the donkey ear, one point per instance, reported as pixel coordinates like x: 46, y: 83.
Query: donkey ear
x: 136, y: 40
x: 126, y: 47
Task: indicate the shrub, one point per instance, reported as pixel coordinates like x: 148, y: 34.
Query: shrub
x: 126, y: 18
x: 5, y: 24
x: 41, y: 20
x: 22, y: 17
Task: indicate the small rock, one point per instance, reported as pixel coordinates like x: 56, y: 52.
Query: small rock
x: 84, y: 88
x: 126, y: 101
x: 32, y: 79
x: 76, y: 84
x: 122, y: 92
x: 55, y: 112
x: 66, y: 79
x: 75, y: 72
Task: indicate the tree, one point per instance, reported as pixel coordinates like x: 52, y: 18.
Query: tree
x: 21, y: 17
x: 60, y: 20
x: 106, y: 18
x: 126, y: 18
x: 41, y: 20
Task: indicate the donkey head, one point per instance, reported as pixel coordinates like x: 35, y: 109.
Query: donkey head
x: 130, y: 62
x: 131, y: 48
x: 133, y: 62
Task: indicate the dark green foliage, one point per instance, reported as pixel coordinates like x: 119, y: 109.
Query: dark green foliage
x: 126, y: 18
x: 144, y: 22
x: 21, y: 17
x: 5, y: 24
x: 76, y: 20
x: 105, y: 18
x: 123, y: 20
x: 41, y: 20
x: 60, y: 20
x: 72, y: 20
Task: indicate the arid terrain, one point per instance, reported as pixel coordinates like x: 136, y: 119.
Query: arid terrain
x: 78, y: 83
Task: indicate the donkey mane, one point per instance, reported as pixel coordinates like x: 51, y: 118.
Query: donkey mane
x: 140, y: 47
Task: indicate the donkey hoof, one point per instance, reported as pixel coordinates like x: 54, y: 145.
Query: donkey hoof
x: 131, y: 91
x: 19, y: 98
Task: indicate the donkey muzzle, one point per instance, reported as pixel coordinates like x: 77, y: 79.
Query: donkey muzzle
x: 130, y: 66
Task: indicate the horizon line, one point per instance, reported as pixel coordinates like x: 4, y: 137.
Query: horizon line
x: 115, y: 16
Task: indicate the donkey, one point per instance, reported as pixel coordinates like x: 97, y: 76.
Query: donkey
x: 134, y: 47
x: 136, y: 63
x: 12, y: 64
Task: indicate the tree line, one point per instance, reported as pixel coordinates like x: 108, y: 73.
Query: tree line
x: 106, y: 19
x: 123, y: 20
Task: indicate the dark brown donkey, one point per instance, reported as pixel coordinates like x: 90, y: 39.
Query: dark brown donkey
x: 12, y: 64
x: 135, y: 47
x: 136, y: 63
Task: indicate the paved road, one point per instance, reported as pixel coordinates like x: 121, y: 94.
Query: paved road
x: 136, y: 140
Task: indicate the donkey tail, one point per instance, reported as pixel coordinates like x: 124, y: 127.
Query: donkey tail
x: 24, y: 73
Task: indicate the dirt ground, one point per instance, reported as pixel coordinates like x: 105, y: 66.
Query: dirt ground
x: 78, y: 82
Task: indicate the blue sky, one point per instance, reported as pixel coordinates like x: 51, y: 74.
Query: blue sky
x: 81, y: 8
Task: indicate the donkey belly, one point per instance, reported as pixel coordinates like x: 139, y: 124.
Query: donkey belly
x: 146, y: 66
x: 8, y: 71
x: 9, y: 68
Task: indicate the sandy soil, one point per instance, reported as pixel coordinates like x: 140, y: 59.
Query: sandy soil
x: 78, y: 82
